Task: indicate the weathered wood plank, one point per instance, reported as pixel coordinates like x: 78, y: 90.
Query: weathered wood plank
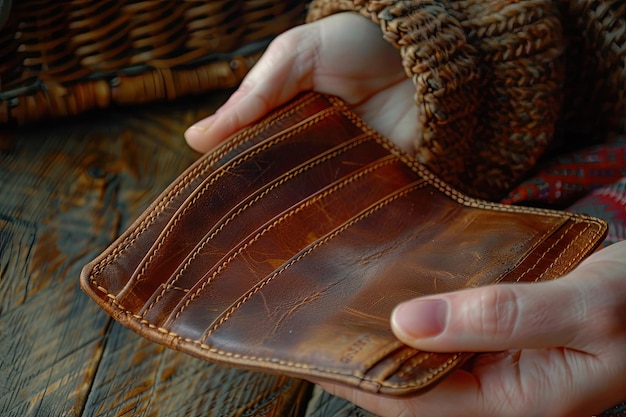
x: 161, y: 382
x: 44, y: 198
x: 48, y: 359
x: 54, y: 219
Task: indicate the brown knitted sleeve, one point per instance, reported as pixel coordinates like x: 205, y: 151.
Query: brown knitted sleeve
x: 488, y: 77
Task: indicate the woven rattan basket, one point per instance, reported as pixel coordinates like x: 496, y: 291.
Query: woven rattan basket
x: 63, y: 57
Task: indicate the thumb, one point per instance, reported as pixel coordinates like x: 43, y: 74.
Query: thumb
x: 575, y: 311
x: 283, y: 71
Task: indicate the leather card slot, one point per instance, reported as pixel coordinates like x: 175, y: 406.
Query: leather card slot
x: 420, y: 372
x: 338, y: 292
x: 147, y: 227
x: 253, y: 212
x: 316, y: 283
x: 243, y: 175
x: 302, y: 108
x: 409, y: 369
x: 267, y: 248
x: 390, y: 363
x: 561, y: 248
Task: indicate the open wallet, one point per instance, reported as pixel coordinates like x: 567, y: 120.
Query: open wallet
x: 286, y: 249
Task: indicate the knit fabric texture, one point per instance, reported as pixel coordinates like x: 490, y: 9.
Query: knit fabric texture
x: 501, y: 82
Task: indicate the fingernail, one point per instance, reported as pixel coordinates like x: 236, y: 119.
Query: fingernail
x: 197, y: 132
x: 198, y: 128
x: 421, y: 318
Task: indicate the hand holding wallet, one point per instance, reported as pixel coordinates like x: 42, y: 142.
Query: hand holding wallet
x: 286, y: 249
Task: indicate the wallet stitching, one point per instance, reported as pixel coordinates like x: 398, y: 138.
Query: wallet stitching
x: 444, y: 187
x: 298, y: 365
x: 431, y: 375
x: 384, y: 161
x: 410, y: 353
x: 532, y: 249
x: 334, y: 371
x: 194, y: 173
x: 151, y: 217
x: 358, y: 141
x: 405, y: 369
x: 574, y: 259
x: 408, y: 189
x: 579, y: 255
x: 268, y: 144
x: 543, y: 255
x: 401, y: 368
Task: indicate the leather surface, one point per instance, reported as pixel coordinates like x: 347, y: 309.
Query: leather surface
x: 286, y: 249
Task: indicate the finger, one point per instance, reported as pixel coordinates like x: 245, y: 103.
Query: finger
x: 574, y: 311
x: 281, y: 73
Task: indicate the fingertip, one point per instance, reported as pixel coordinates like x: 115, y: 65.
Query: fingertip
x: 420, y: 318
x: 197, y: 136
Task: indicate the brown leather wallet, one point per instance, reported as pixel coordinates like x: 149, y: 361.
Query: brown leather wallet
x: 286, y: 249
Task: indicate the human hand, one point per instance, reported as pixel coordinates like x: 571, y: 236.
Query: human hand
x: 342, y: 55
x: 559, y: 347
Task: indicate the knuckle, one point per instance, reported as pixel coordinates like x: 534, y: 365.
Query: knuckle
x: 600, y: 310
x: 495, y: 312
x: 294, y: 54
x: 283, y: 43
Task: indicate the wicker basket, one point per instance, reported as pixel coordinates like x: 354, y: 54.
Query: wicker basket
x: 63, y: 57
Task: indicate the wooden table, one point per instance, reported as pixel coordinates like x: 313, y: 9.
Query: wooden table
x: 67, y: 189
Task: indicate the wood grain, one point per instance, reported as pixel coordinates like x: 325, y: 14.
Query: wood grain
x: 163, y: 382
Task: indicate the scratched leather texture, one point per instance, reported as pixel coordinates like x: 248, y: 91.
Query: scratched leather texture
x: 286, y: 249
